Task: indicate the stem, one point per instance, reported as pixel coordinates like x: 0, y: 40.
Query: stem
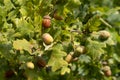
x: 77, y: 31
x: 106, y: 23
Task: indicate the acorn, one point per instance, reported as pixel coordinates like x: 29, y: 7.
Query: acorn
x: 104, y: 35
x: 69, y: 57
x: 108, y: 73
x: 41, y: 62
x: 80, y: 49
x: 9, y: 73
x: 47, y: 38
x: 46, y: 22
x: 57, y: 17
x: 30, y: 65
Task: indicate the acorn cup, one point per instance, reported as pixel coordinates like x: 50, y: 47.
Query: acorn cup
x: 104, y: 63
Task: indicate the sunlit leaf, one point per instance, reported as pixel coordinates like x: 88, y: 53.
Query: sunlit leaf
x: 8, y: 4
x: 13, y: 14
x: 77, y: 23
x: 23, y: 11
x: 56, y: 58
x: 23, y: 26
x: 93, y: 23
x: 65, y: 70
x: 22, y: 45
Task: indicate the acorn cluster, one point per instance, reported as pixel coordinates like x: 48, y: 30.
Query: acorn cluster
x: 46, y: 23
x: 106, y: 69
x: 73, y: 56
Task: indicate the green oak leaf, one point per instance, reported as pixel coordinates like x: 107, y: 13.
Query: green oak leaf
x: 22, y: 45
x: 56, y: 58
x: 65, y: 70
x: 93, y: 23
x: 23, y: 26
x: 8, y: 4
x: 84, y: 58
x: 95, y: 49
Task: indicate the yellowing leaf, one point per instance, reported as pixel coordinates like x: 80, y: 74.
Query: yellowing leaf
x: 23, y: 26
x: 56, y: 59
x: 8, y: 4
x: 23, y: 11
x: 110, y: 42
x: 22, y: 45
x: 65, y: 70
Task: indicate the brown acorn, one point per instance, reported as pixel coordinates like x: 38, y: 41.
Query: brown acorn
x: 57, y: 17
x: 47, y: 38
x: 46, y: 22
x: 41, y: 62
x: 9, y: 73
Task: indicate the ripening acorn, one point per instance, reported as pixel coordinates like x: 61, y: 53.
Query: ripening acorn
x: 68, y: 58
x: 30, y: 65
x: 79, y: 50
x: 47, y: 38
x: 108, y: 73
x: 104, y: 35
x: 46, y: 22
